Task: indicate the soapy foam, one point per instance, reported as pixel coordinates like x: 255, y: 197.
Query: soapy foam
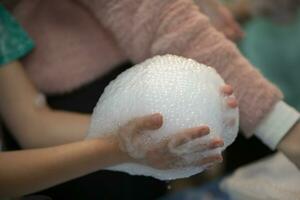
x: 185, y: 92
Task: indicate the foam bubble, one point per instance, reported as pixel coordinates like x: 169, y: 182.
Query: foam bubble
x: 185, y: 92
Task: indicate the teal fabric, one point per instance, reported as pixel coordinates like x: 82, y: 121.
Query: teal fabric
x: 14, y: 41
x: 275, y: 50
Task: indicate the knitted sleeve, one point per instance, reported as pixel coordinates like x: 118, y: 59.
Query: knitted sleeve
x: 144, y: 28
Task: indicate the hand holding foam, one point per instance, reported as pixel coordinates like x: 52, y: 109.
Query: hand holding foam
x: 186, y: 93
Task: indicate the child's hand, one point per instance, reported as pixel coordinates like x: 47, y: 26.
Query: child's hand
x: 165, y: 154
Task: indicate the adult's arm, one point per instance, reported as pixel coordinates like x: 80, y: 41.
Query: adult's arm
x: 144, y: 28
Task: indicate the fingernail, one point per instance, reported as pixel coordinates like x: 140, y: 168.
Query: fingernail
x: 218, y: 143
x: 227, y: 90
x: 232, y: 102
x: 204, y: 129
x: 157, y: 118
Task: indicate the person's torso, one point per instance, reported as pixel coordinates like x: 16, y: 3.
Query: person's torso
x: 72, y: 47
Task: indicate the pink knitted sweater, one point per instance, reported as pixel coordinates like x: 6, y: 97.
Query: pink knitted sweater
x: 78, y: 41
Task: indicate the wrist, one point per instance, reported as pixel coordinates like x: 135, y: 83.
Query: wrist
x: 292, y: 137
x: 290, y: 144
x: 117, y: 155
x: 277, y: 124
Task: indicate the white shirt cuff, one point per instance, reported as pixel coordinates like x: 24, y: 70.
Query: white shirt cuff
x: 278, y: 122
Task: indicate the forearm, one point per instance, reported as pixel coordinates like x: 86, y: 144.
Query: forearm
x: 178, y: 27
x: 290, y: 144
x: 50, y: 128
x: 27, y: 171
x: 35, y: 125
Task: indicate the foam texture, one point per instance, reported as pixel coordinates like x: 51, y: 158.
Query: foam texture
x: 185, y: 92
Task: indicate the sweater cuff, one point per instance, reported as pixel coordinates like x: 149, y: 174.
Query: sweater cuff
x: 274, y: 127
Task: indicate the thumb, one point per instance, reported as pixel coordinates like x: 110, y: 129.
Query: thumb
x: 148, y: 122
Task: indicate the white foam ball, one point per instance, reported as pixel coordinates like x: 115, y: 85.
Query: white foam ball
x: 185, y: 92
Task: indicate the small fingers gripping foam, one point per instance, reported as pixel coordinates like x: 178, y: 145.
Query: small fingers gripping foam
x: 185, y: 92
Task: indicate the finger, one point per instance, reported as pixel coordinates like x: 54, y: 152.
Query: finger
x: 232, y: 102
x: 215, y: 143
x: 149, y: 122
x: 200, y: 146
x: 212, y: 144
x: 188, y: 135
x: 210, y: 160
x: 227, y: 90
